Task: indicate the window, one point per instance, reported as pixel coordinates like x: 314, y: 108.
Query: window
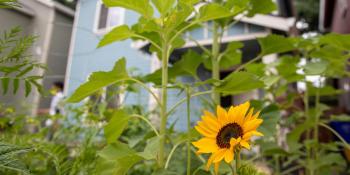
x: 107, y: 18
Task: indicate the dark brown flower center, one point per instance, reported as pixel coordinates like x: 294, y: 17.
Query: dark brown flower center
x: 232, y: 130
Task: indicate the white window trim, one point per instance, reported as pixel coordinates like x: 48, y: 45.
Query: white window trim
x: 97, y: 20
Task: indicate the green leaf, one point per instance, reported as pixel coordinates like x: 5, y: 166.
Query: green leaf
x: 271, y: 115
x: 189, y: 2
x: 315, y: 68
x: 117, y: 34
x: 116, y: 159
x: 275, y: 44
x: 116, y: 125
x: 342, y: 118
x: 324, y: 91
x: 270, y: 80
x: 5, y: 84
x: 337, y: 40
x: 239, y: 82
x: 151, y: 149
x: 27, y: 87
x: 164, y: 6
x: 98, y: 80
x: 213, y: 11
x: 9, y: 158
x: 15, y: 85
x: 294, y: 136
x: 188, y: 64
x: 261, y: 7
x: 231, y: 56
x: 141, y: 6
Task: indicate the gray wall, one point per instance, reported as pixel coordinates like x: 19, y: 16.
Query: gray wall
x: 58, y: 54
x: 51, y: 47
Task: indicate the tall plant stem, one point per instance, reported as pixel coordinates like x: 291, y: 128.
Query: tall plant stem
x: 306, y: 109
x: 163, y: 112
x: 215, y: 61
x: 238, y: 160
x: 317, y: 120
x: 188, y: 131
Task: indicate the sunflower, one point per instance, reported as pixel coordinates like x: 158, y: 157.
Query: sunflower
x: 226, y: 133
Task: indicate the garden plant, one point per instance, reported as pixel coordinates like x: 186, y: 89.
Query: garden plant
x: 247, y: 139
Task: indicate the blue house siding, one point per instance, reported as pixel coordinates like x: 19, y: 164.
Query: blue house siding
x: 86, y: 58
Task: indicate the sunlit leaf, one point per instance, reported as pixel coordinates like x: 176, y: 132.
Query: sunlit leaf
x: 337, y: 40
x: 151, y: 149
x: 315, y: 68
x: 231, y: 56
x: 117, y: 34
x: 261, y: 7
x: 116, y: 159
x: 239, y: 82
x: 116, y: 125
x: 163, y: 6
x: 275, y: 44
x: 213, y: 11
x: 141, y: 6
x: 98, y: 80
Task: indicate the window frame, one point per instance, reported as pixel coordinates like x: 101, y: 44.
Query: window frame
x: 108, y: 28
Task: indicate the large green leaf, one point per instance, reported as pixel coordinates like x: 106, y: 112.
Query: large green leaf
x: 232, y: 55
x: 164, y: 6
x: 141, y: 6
x: 294, y: 136
x: 271, y: 115
x: 336, y: 40
x: 239, y: 82
x: 261, y: 7
x: 189, y: 2
x: 116, y: 125
x: 98, y: 80
x: 189, y: 63
x: 116, y: 159
x: 151, y: 149
x: 213, y: 11
x: 315, y: 68
x: 117, y: 34
x: 275, y: 44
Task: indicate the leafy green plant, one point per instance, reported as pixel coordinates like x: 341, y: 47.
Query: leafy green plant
x: 16, y: 64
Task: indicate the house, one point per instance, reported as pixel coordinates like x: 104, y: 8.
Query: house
x: 93, y: 20
x: 52, y: 23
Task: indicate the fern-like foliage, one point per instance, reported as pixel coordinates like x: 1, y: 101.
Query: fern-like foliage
x: 8, y: 158
x: 8, y: 3
x: 16, y: 65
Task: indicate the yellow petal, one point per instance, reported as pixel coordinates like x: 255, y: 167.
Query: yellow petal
x: 234, y: 142
x: 219, y: 155
x: 206, y: 127
x: 229, y: 156
x: 222, y: 115
x: 206, y: 145
x: 257, y: 133
x: 244, y: 144
x: 205, y: 132
x: 251, y: 125
x: 211, y: 122
x: 216, y: 167
x: 249, y: 115
x: 210, y: 160
x: 243, y: 108
x: 207, y: 113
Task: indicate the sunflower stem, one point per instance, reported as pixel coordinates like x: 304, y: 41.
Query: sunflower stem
x: 188, y: 130
x: 238, y: 161
x: 163, y: 112
x: 215, y: 61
